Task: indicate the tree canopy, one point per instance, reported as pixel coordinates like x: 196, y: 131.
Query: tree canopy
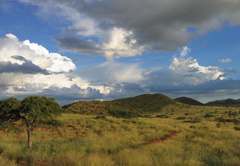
x: 31, y: 112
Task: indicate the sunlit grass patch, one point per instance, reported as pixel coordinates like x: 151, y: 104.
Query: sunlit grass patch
x: 87, y: 140
x: 4, y: 161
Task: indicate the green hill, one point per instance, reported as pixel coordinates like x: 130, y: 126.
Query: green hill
x: 87, y: 107
x: 225, y: 102
x: 139, y: 104
x: 142, y: 103
x: 189, y: 101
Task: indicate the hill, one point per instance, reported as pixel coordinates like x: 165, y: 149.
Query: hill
x: 139, y: 104
x: 87, y: 107
x: 189, y: 101
x: 225, y: 102
x: 142, y: 103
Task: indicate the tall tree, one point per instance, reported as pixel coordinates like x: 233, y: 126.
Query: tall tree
x: 31, y: 112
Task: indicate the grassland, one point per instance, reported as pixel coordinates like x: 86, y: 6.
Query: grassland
x: 203, y: 136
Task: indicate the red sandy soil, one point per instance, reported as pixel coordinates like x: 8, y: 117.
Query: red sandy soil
x: 22, y: 162
x: 172, y: 133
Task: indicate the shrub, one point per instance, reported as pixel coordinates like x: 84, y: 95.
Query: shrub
x: 123, y: 114
x: 189, y: 113
x: 162, y: 116
x: 208, y: 115
x: 193, y: 120
x: 220, y: 119
x: 101, y: 117
x: 235, y: 121
x: 192, y: 126
x: 181, y: 118
x: 237, y: 128
x: 196, y: 120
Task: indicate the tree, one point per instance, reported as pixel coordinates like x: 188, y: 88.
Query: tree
x: 31, y: 112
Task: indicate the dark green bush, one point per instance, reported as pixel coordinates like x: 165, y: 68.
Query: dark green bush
x: 162, y: 116
x: 193, y: 120
x: 181, y: 118
x: 220, y: 119
x: 123, y: 114
x: 208, y: 115
x: 237, y: 128
x: 192, y: 126
x: 100, y: 117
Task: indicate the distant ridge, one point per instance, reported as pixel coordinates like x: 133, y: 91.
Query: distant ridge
x: 139, y: 104
x: 189, y: 101
x: 225, y: 102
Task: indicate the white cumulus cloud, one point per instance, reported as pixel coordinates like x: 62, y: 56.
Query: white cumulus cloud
x: 225, y: 60
x: 30, y: 69
x: 193, y: 73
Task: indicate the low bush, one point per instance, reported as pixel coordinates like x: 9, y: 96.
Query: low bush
x: 192, y: 126
x: 221, y: 119
x: 196, y: 120
x: 208, y: 115
x: 123, y: 114
x: 181, y: 118
x: 237, y: 128
x: 101, y: 117
x: 162, y: 116
x: 189, y: 113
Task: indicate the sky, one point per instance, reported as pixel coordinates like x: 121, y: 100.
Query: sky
x: 75, y: 50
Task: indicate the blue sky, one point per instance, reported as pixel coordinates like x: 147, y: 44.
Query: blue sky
x: 108, y: 49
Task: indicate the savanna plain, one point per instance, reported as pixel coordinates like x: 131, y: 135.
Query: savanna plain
x: 177, y: 135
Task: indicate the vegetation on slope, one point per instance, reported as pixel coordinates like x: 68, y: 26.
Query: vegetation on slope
x: 225, y: 102
x: 143, y: 103
x: 189, y: 101
x: 127, y: 106
x: 87, y: 108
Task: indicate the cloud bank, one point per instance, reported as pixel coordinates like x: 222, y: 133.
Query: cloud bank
x: 127, y: 28
x: 30, y: 69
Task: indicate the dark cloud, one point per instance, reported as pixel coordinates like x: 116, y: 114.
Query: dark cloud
x: 75, y: 44
x: 69, y: 95
x: 20, y: 58
x: 26, y: 67
x: 159, y: 25
x: 210, y: 87
x: 77, y: 59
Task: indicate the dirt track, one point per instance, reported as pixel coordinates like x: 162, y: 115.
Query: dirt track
x: 172, y: 133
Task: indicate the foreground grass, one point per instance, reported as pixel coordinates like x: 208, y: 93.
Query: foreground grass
x: 87, y: 141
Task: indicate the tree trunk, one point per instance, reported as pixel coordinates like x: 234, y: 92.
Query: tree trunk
x: 29, y: 139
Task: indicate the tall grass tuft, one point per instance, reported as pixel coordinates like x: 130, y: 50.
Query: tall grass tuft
x: 4, y: 161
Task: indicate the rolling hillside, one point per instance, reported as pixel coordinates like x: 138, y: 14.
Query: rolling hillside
x: 138, y: 104
x: 189, y: 101
x: 225, y: 102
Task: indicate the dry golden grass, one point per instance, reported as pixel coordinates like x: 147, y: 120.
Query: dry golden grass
x: 4, y: 161
x: 86, y: 141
